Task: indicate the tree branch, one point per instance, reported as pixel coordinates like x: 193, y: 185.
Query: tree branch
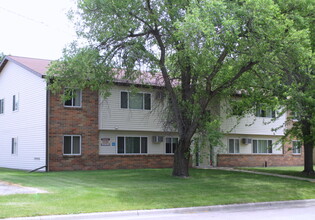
x: 230, y: 82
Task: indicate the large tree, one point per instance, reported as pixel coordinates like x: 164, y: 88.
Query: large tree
x: 203, y: 49
x: 297, y: 87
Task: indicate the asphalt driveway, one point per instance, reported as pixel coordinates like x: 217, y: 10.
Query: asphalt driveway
x: 7, y: 188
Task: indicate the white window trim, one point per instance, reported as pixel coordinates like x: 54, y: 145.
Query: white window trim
x: 262, y: 140
x: 124, y: 136
x: 73, y: 106
x: 300, y: 149
x: 63, y: 146
x: 143, y: 100
x: 261, y: 108
x: 171, y: 148
x: 228, y: 145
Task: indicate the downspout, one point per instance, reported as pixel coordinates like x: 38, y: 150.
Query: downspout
x: 47, y: 128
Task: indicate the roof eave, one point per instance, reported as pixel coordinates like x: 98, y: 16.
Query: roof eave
x: 7, y: 58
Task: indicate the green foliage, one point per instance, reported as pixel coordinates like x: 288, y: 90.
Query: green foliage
x: 296, y: 90
x: 205, y: 50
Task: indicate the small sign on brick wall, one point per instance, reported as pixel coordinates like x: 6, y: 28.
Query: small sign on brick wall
x: 105, y: 141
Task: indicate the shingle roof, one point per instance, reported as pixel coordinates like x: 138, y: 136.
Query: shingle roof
x: 39, y: 67
x: 34, y: 65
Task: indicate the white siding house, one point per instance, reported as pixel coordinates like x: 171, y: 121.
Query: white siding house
x: 23, y: 119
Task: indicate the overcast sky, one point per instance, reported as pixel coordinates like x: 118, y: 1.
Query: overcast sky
x: 35, y: 28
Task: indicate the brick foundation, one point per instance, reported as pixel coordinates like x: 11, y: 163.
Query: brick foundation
x: 113, y: 162
x: 259, y: 160
x: 84, y: 121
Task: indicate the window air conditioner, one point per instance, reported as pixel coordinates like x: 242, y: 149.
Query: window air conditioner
x: 157, y: 139
x: 247, y: 141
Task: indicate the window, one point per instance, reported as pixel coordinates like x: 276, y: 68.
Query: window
x: 75, y: 97
x: 294, y: 116
x: 265, y: 112
x: 72, y: 145
x: 14, y: 145
x: 237, y: 110
x: 15, y: 103
x: 296, y: 147
x: 1, y: 106
x: 132, y: 145
x: 135, y: 100
x: 234, y: 146
x: 171, y: 145
x: 262, y: 146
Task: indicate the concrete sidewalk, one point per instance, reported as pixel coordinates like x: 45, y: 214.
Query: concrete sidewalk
x: 266, y: 174
x: 7, y: 188
x: 145, y: 214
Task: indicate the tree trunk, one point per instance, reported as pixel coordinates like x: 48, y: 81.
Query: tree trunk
x: 181, y: 159
x: 308, y: 159
x: 308, y: 147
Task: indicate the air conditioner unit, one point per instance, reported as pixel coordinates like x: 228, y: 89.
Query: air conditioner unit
x: 157, y: 139
x: 246, y: 141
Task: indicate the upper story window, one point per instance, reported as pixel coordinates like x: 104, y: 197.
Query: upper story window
x: 14, y: 146
x: 72, y: 145
x: 265, y: 112
x: 296, y: 147
x: 15, y: 103
x: 75, y: 99
x: 234, y: 146
x: 171, y: 145
x: 1, y: 106
x: 294, y: 116
x: 262, y: 146
x: 132, y: 145
x: 135, y: 100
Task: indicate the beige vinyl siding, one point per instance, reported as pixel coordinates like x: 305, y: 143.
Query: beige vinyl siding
x: 250, y: 124
x: 153, y: 148
x: 248, y: 148
x: 113, y: 117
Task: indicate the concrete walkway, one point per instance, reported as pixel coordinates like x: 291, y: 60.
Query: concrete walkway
x: 263, y: 173
x: 7, y: 188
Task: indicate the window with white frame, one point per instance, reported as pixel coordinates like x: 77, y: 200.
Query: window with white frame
x: 75, y: 98
x: 1, y: 106
x: 171, y: 145
x: 132, y: 145
x: 262, y: 146
x: 296, y: 147
x: 14, y: 146
x: 234, y: 146
x: 265, y: 112
x: 135, y: 100
x: 15, y: 103
x: 71, y: 144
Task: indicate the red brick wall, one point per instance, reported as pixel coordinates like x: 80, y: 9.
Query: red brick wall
x: 84, y: 121
x: 258, y: 160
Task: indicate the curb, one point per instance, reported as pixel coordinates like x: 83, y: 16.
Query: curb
x: 155, y: 212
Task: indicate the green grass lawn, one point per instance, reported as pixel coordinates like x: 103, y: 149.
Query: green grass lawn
x: 112, y: 190
x: 290, y: 171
